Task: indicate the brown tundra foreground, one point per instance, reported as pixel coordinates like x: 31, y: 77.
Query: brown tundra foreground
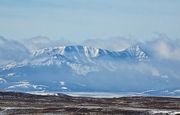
x: 12, y: 103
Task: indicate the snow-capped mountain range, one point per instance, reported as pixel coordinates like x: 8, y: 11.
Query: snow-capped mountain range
x: 84, y: 55
x: 83, y: 68
x: 79, y: 57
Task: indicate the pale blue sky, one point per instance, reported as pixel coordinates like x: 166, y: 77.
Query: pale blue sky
x: 84, y: 19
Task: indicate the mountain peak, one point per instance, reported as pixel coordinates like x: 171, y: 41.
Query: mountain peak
x: 138, y: 52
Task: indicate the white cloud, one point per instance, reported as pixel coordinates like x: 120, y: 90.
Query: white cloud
x: 147, y: 69
x: 40, y: 42
x: 11, y: 50
x: 166, y: 49
x: 116, y: 43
